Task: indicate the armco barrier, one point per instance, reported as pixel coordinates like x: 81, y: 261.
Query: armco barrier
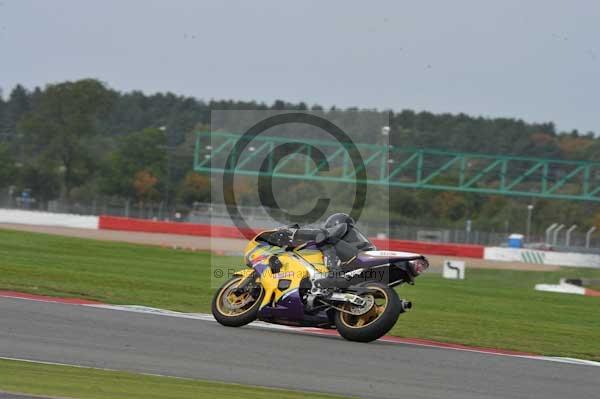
x: 150, y: 226
x: 431, y: 248
x: 542, y: 257
x: 206, y: 230
x: 38, y: 218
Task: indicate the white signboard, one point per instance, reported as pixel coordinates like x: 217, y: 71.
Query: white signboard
x: 454, y: 269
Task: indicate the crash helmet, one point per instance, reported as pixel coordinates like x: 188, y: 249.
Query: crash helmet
x: 339, y: 218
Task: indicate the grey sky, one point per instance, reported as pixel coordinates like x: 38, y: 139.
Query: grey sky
x: 536, y: 60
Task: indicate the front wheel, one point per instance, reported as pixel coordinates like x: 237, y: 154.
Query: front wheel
x: 362, y: 325
x: 234, y: 307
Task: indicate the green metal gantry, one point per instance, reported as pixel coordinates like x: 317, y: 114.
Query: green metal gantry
x: 401, y: 167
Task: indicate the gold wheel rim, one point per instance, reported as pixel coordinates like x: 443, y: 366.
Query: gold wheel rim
x: 234, y: 299
x: 354, y: 321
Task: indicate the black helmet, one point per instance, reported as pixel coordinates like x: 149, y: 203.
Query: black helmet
x: 339, y: 218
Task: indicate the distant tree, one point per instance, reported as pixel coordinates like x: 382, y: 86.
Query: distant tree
x: 405, y: 203
x: 43, y: 181
x: 18, y: 104
x: 450, y: 206
x: 2, y: 113
x: 278, y: 105
x: 494, y: 212
x: 194, y: 188
x: 144, y: 184
x: 593, y: 151
x: 71, y: 143
x: 574, y: 147
x: 144, y: 150
x: 7, y: 167
x: 63, y: 116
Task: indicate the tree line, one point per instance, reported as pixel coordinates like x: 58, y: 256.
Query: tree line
x: 80, y: 140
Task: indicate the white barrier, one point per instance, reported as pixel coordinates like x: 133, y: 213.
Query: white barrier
x: 542, y: 257
x: 563, y: 288
x: 48, y: 219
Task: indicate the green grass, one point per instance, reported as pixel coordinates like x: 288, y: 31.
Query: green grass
x: 87, y: 383
x: 500, y: 309
x: 491, y: 308
x: 107, y: 271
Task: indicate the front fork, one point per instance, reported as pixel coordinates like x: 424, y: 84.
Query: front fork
x: 248, y: 277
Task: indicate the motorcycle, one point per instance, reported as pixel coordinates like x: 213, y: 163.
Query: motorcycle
x: 294, y: 287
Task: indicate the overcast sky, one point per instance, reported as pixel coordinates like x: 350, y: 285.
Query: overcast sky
x: 535, y: 60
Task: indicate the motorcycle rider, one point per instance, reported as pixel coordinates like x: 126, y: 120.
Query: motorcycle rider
x: 335, y: 250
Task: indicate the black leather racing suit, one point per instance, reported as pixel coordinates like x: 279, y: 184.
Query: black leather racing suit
x: 294, y: 236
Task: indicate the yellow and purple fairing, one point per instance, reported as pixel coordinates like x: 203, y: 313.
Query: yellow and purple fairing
x: 282, y: 302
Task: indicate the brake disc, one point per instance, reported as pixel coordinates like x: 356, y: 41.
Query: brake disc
x: 361, y: 310
x: 237, y: 305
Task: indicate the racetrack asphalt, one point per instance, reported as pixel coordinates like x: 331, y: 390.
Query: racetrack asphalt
x: 148, y: 343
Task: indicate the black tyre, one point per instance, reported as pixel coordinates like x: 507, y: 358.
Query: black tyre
x: 233, y: 310
x: 376, y: 322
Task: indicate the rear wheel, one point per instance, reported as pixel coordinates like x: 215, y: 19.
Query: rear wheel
x: 374, y: 320
x: 235, y: 307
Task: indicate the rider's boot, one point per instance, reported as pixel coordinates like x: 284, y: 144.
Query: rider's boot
x: 335, y: 276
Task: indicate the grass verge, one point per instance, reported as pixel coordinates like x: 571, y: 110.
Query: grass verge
x: 493, y: 308
x: 89, y: 383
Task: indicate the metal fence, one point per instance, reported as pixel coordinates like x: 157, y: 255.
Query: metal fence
x: 258, y: 218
